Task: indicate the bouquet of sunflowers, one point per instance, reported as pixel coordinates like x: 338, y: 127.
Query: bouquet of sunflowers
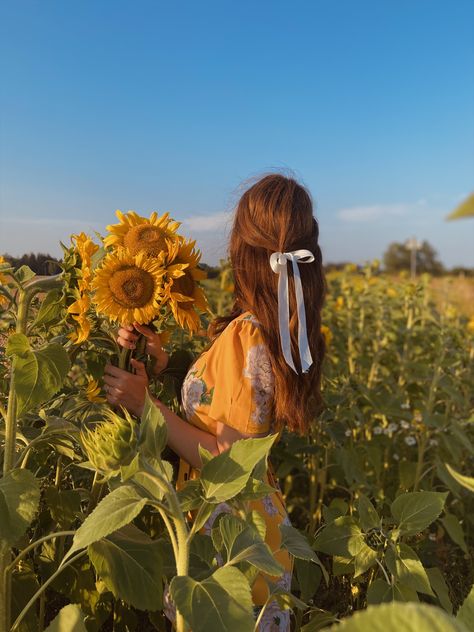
x: 144, y: 272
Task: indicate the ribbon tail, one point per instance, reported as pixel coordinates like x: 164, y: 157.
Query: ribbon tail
x: 303, y: 344
x: 284, y: 317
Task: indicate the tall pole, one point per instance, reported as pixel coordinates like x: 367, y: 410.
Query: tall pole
x: 413, y: 245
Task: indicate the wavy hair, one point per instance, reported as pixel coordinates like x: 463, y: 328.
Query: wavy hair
x: 276, y: 214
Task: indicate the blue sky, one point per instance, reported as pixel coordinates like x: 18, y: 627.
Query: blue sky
x: 170, y: 106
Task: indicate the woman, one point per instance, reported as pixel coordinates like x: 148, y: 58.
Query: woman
x: 262, y: 372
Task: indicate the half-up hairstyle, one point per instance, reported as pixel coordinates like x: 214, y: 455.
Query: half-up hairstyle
x: 276, y: 214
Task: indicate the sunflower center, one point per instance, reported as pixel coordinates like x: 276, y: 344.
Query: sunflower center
x: 185, y: 285
x: 145, y: 238
x: 132, y: 287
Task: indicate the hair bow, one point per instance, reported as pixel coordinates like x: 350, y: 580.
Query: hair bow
x: 278, y: 262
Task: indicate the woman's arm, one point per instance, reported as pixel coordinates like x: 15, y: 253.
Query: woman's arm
x: 128, y: 390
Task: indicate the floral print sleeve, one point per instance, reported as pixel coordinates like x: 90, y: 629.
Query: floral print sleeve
x: 244, y: 383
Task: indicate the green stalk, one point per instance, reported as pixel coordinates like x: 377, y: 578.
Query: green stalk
x: 42, y: 588
x: 180, y: 539
x: 25, y: 295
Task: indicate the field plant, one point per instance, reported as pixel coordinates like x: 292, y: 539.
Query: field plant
x: 95, y: 536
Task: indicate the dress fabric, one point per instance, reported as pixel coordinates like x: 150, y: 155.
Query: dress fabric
x: 233, y: 383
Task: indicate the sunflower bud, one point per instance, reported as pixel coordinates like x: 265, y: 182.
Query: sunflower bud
x: 111, y: 444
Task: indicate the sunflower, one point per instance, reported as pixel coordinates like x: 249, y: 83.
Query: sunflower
x: 183, y: 292
x: 327, y: 334
x: 93, y: 391
x: 78, y: 311
x: 138, y: 234
x: 129, y: 288
x: 85, y: 248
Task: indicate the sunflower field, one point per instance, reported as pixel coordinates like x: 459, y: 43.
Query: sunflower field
x: 93, y: 533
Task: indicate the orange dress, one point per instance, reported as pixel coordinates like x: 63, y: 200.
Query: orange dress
x: 233, y: 383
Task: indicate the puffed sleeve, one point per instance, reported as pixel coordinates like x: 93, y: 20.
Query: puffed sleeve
x: 244, y: 383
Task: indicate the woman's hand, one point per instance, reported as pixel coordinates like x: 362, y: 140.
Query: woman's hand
x: 126, y: 389
x: 128, y: 338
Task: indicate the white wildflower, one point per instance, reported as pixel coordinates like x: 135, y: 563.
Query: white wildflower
x: 410, y: 440
x: 377, y: 430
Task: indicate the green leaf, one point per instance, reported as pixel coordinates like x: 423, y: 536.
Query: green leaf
x: 64, y: 505
x: 296, y: 543
x: 17, y: 344
x: 368, y: 516
x: 320, y: 619
x: 69, y: 619
x: 39, y: 374
x: 243, y: 544
x: 364, y: 559
x: 205, y: 455
x: 395, y: 617
x: 190, y: 495
x: 438, y: 584
x: 341, y: 537
x: 255, y: 489
x: 309, y: 577
x: 129, y: 563
x: 465, y: 613
x: 405, y: 565
x: 466, y: 481
x: 23, y: 274
x: 227, y: 474
x: 50, y: 308
x: 153, y: 430
x: 220, y: 602
x: 414, y: 511
x: 19, y: 500
x: 116, y: 510
x: 381, y: 592
x: 453, y: 527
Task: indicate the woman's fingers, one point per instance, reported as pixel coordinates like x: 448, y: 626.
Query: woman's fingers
x: 143, y: 329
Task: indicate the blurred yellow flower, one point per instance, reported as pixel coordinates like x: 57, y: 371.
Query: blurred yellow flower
x: 327, y: 333
x: 451, y: 312
x: 391, y: 292
x: 470, y: 324
x: 339, y: 302
x: 350, y: 267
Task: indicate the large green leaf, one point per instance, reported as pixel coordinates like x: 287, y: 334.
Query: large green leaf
x: 414, y: 511
x: 227, y: 474
x: 465, y: 481
x: 342, y: 537
x: 455, y: 531
x: 39, y: 374
x: 296, y: 543
x: 69, y: 619
x: 153, y: 430
x: 398, y: 617
x: 19, y: 500
x: 368, y: 516
x: 381, y: 592
x: 465, y: 613
x: 440, y: 587
x: 116, y: 510
x: 220, y: 602
x: 129, y: 563
x: 243, y: 544
x: 406, y: 566
x: 364, y: 559
x: 50, y: 308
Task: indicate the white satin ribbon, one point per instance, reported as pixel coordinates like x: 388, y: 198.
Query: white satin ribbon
x: 278, y: 262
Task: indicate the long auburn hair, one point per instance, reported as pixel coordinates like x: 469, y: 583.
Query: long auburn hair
x: 276, y: 214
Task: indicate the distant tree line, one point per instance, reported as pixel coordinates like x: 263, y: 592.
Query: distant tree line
x: 395, y: 259
x: 41, y: 263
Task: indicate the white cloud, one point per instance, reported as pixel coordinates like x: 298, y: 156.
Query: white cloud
x: 204, y: 223
x: 378, y: 211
